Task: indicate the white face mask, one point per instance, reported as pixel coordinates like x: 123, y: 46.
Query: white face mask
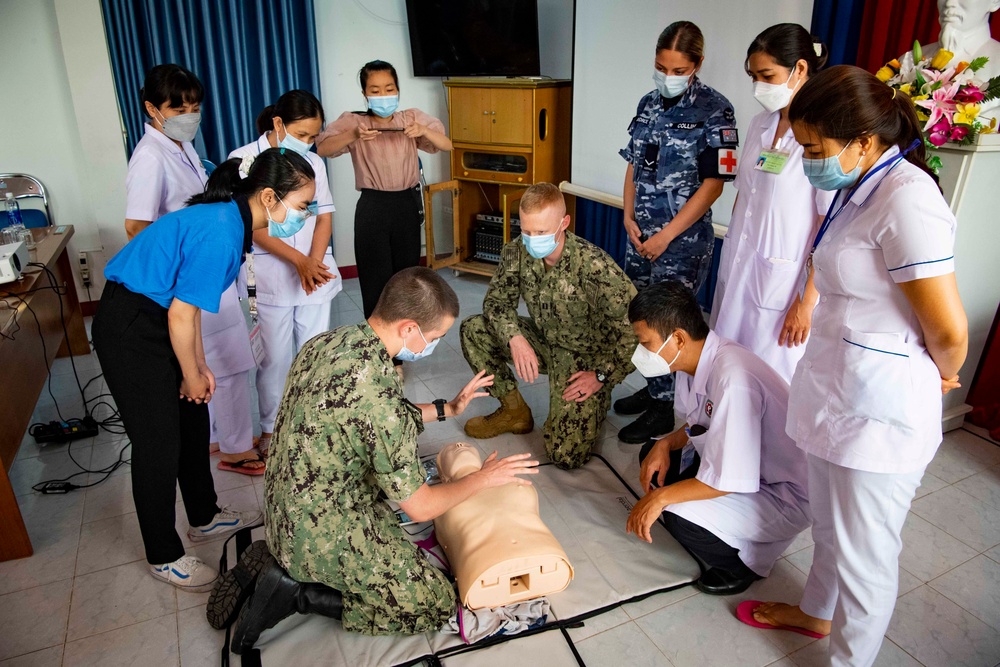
x: 651, y: 364
x: 774, y: 96
x: 670, y: 86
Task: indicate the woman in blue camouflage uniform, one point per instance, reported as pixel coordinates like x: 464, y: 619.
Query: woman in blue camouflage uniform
x: 682, y: 149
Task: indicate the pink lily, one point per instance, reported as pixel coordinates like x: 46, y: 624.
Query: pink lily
x: 940, y: 103
x: 932, y: 76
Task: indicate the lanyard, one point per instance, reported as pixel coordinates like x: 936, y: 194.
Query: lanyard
x: 831, y: 215
x: 251, y: 287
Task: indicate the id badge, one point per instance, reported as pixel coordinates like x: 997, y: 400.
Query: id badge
x: 256, y: 343
x: 771, y: 161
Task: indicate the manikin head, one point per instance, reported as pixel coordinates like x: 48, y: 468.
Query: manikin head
x: 457, y: 460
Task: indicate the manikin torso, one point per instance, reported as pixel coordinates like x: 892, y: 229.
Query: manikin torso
x: 499, y: 549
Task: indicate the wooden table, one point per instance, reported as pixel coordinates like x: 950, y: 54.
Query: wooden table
x: 24, y: 371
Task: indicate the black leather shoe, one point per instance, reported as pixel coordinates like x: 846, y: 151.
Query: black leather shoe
x: 232, y: 588
x: 654, y: 422
x: 723, y: 582
x: 635, y: 404
x: 277, y: 597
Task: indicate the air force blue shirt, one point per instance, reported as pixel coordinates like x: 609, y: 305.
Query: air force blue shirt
x: 192, y: 254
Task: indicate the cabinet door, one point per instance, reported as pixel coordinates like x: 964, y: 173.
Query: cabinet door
x: 510, y: 116
x: 470, y: 115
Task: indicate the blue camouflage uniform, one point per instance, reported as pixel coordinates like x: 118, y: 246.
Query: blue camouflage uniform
x: 672, y: 149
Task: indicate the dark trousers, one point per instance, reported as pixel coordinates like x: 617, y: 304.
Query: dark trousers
x: 386, y: 239
x: 169, y: 436
x: 707, y: 549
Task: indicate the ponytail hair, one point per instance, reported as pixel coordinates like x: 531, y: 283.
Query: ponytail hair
x: 290, y: 107
x: 846, y: 102
x: 787, y: 44
x: 281, y: 170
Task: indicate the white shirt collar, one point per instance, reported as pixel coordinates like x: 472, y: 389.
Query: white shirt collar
x: 699, y: 385
x: 167, y: 142
x: 865, y: 190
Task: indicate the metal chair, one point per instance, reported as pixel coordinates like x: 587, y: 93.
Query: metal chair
x: 25, y: 187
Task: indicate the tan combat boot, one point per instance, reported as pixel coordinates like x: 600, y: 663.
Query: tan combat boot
x: 513, y: 416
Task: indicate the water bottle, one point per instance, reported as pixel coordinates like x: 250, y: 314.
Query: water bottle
x: 17, y: 229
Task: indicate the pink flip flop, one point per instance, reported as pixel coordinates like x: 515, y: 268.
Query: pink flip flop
x: 745, y: 611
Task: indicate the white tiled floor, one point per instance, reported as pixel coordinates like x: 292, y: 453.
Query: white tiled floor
x: 84, y: 598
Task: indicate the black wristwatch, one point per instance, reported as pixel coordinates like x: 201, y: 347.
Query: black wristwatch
x: 601, y: 377
x: 439, y: 404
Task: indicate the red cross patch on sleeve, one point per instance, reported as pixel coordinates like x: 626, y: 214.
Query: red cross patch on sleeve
x: 727, y: 162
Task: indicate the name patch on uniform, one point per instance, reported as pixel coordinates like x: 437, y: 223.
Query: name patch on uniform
x: 729, y: 135
x: 709, y: 408
x: 684, y: 126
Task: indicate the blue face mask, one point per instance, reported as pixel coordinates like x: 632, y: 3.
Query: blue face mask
x: 827, y: 174
x: 293, y: 144
x: 295, y: 220
x: 385, y: 106
x: 540, y: 247
x: 670, y: 86
x: 408, y: 355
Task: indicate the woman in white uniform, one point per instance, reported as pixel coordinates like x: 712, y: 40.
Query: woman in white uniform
x: 759, y: 300
x: 888, y: 338
x: 163, y: 173
x: 296, y: 276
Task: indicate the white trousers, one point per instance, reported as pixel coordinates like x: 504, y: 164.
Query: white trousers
x: 857, y: 520
x: 284, y: 330
x: 229, y: 413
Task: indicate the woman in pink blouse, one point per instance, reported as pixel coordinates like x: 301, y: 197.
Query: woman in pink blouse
x: 383, y: 143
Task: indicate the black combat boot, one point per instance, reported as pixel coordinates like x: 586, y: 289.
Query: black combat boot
x: 635, y: 404
x: 655, y: 422
x: 277, y: 597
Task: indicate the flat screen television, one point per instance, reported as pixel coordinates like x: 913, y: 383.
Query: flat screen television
x: 474, y: 37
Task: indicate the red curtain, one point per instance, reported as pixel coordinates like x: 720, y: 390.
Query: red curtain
x: 890, y: 26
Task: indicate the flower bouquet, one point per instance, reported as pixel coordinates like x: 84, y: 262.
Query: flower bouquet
x: 947, y: 95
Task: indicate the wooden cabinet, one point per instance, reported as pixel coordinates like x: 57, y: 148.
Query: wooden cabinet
x: 508, y: 134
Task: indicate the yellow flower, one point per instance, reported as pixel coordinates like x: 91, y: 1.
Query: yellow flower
x: 965, y: 114
x: 941, y: 59
x: 884, y: 74
x: 906, y: 88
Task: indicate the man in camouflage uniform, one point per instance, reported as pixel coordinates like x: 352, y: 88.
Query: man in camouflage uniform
x: 345, y: 436
x: 578, y: 331
x: 680, y: 150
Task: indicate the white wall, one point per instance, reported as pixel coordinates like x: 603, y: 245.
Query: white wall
x: 348, y: 35
x: 63, y: 126
x: 615, y: 45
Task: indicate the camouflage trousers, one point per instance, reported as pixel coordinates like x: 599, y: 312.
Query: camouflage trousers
x: 388, y: 586
x: 687, y: 259
x: 571, y: 429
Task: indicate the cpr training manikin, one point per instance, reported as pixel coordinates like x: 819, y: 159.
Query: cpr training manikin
x: 499, y: 549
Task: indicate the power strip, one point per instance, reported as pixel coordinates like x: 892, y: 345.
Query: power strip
x: 56, y: 431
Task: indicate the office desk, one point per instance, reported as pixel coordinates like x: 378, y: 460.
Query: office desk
x: 24, y: 371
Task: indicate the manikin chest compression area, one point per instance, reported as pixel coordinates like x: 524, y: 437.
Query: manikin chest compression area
x: 499, y: 549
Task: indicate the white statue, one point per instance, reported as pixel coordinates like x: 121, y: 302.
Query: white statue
x: 965, y: 31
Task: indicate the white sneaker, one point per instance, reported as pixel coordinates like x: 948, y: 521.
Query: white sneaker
x: 226, y: 522
x: 188, y: 573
